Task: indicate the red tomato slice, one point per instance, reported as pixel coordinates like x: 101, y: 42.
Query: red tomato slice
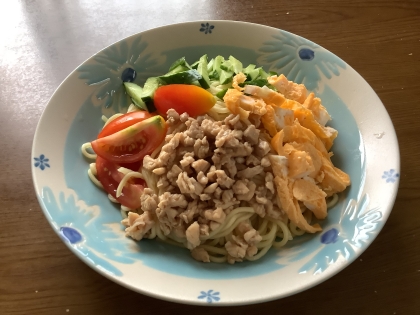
x: 183, y: 98
x: 109, y: 177
x: 133, y: 166
x: 131, y: 144
x: 123, y: 122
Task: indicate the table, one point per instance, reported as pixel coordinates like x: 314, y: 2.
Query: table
x: 41, y: 42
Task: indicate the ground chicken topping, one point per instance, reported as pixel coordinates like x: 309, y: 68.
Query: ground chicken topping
x: 212, y: 172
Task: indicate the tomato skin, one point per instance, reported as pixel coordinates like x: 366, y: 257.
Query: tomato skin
x: 123, y: 122
x: 183, y: 98
x: 131, y: 144
x: 133, y: 166
x: 108, y: 175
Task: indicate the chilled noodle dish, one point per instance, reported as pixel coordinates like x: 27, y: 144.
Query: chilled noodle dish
x: 225, y: 160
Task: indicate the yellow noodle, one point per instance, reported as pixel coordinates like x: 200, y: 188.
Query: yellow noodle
x: 333, y: 201
x: 124, y: 214
x: 112, y: 199
x: 133, y: 108
x: 125, y: 179
x: 295, y: 230
x: 286, y: 233
x: 111, y: 119
x: 214, y: 259
x: 94, y: 179
x: 260, y: 254
x: 214, y: 249
x: 272, y: 234
x: 85, y: 153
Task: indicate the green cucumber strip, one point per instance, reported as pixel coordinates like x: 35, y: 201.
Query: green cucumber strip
x: 236, y: 65
x: 135, y: 92
x: 149, y: 89
x: 253, y: 74
x: 226, y: 65
x: 210, y: 65
x: 141, y: 105
x: 273, y: 73
x: 202, y: 69
x: 225, y: 76
x: 217, y: 63
x: 195, y: 65
x: 221, y: 94
x: 214, y: 75
x: 180, y: 62
x: 150, y: 107
x: 263, y: 74
x: 248, y: 69
x: 179, y: 68
x: 257, y: 82
x: 184, y: 77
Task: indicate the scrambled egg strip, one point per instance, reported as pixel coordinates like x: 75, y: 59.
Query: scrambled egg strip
x: 295, y: 121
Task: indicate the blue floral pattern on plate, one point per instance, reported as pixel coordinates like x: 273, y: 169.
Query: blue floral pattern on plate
x: 391, y: 176
x: 71, y: 235
x: 306, y: 54
x: 74, y: 219
x: 210, y: 295
x: 355, y: 227
x: 302, y: 60
x: 206, y: 28
x: 110, y: 65
x: 330, y: 236
x: 41, y: 162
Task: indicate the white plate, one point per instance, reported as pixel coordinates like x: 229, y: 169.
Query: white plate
x: 89, y: 224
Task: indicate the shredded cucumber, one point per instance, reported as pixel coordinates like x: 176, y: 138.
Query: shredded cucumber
x: 215, y: 75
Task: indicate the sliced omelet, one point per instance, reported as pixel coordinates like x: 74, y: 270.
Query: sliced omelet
x: 295, y: 120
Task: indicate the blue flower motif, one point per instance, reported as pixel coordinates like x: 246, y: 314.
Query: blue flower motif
x: 41, y: 162
x: 299, y: 60
x: 206, y: 28
x: 329, y: 236
x: 306, y: 54
x: 74, y: 219
x: 391, y: 176
x: 355, y: 226
x: 128, y: 75
x: 109, y: 70
x: 209, y: 295
x: 70, y: 234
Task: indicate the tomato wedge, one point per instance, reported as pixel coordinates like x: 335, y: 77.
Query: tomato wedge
x: 183, y: 98
x: 108, y: 175
x: 123, y: 122
x: 131, y: 144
